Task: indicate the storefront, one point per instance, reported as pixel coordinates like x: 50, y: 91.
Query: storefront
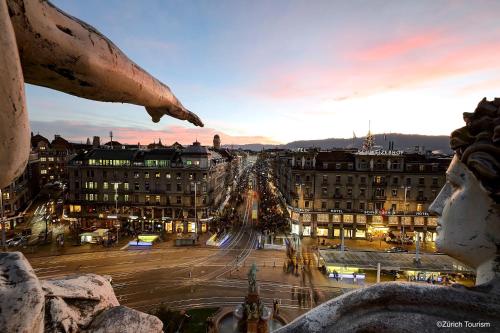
x: 179, y: 227
x: 191, y: 227
x: 322, y: 230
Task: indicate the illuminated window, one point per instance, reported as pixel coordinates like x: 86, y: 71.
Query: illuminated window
x: 146, y: 175
x: 105, y: 186
x: 43, y: 172
x: 197, y: 163
x: 189, y: 162
x: 43, y: 159
x: 168, y: 176
x: 157, y: 199
x: 126, y: 198
x: 51, y: 159
x: 125, y: 186
x: 157, y: 175
x: 106, y: 198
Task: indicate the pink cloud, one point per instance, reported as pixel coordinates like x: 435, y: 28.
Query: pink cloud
x: 399, y: 47
x: 400, y: 63
x: 79, y: 132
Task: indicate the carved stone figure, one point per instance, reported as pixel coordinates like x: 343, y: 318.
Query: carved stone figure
x: 252, y: 279
x: 42, y: 45
x: 77, y: 303
x: 468, y: 208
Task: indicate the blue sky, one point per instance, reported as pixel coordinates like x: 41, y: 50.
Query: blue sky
x: 278, y: 71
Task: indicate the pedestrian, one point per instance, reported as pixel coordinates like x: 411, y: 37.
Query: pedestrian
x: 299, y: 298
x: 137, y: 241
x: 190, y: 274
x: 293, y: 292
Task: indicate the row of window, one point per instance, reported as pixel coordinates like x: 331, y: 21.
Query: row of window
x: 148, y: 199
x: 137, y: 186
x: 362, y: 206
x: 377, y: 192
x: 148, y: 163
x: 376, y: 180
x: 145, y: 175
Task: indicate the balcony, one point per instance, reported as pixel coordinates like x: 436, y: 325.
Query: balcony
x: 380, y: 183
x: 337, y: 196
x: 421, y: 198
x: 379, y: 197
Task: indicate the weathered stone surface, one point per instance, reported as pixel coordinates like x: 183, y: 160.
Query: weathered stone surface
x: 21, y: 295
x: 14, y: 124
x: 73, y: 302
x: 402, y: 307
x: 42, y: 45
x: 79, y: 303
x: 121, y: 319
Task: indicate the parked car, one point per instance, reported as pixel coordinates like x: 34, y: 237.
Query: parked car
x: 396, y: 249
x: 16, y: 241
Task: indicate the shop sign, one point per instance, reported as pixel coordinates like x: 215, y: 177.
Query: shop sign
x: 422, y: 213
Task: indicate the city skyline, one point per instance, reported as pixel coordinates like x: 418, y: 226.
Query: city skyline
x: 284, y: 71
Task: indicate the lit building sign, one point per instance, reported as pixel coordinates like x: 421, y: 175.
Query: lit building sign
x: 380, y: 152
x: 360, y: 219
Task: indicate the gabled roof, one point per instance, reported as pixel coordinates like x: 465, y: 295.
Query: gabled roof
x: 196, y: 149
x: 37, y: 139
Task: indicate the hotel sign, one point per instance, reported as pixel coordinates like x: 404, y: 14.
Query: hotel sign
x: 380, y: 152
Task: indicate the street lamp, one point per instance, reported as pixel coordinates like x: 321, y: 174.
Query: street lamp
x: 195, y: 213
x: 406, y: 188
x: 115, y: 184
x: 4, y: 245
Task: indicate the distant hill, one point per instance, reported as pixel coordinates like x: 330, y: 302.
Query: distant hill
x: 405, y: 142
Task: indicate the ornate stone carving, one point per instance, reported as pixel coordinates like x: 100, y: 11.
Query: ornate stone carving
x: 78, y: 303
x: 468, y: 230
x: 42, y: 45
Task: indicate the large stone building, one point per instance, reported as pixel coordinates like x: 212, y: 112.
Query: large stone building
x: 17, y: 195
x: 53, y: 157
x: 156, y: 188
x: 362, y: 194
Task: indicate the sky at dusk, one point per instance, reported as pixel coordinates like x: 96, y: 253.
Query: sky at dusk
x: 279, y: 71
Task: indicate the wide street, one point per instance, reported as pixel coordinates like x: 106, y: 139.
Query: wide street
x: 186, y: 277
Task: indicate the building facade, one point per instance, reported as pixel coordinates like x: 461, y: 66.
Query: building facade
x: 360, y: 193
x: 154, y: 188
x: 52, y: 158
x: 17, y: 195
